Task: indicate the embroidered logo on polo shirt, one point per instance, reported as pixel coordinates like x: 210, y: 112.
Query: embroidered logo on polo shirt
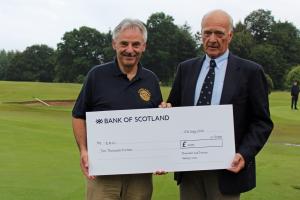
x: 144, y: 94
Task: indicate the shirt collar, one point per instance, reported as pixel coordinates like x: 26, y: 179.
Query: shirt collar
x: 118, y: 72
x: 218, y: 60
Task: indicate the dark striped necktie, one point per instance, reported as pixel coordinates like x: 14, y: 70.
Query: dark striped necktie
x: 208, y: 85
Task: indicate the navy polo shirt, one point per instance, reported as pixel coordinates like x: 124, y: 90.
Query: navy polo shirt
x: 107, y: 88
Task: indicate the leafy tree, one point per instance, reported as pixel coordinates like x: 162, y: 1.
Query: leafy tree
x: 276, y: 44
x: 199, y: 47
x: 293, y: 75
x: 272, y: 61
x: 270, y: 83
x: 259, y: 23
x: 242, y: 43
x: 3, y: 64
x: 240, y: 27
x: 79, y: 51
x: 160, y: 55
x: 5, y: 60
x: 36, y: 63
x: 167, y: 45
x: 186, y: 44
x: 285, y: 36
x: 108, y: 52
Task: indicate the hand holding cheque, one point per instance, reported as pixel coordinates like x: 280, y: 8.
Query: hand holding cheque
x: 237, y: 164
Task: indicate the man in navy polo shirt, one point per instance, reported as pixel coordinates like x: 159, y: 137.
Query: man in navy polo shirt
x: 120, y: 84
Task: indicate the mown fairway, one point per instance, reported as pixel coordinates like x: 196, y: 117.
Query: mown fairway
x: 39, y: 158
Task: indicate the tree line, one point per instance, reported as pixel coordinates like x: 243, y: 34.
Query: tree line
x: 273, y: 44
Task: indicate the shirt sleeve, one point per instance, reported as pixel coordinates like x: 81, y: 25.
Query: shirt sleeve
x: 83, y: 101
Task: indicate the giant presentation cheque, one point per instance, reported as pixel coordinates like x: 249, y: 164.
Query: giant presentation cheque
x: 170, y: 139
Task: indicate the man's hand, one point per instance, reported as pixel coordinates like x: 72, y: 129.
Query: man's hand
x: 237, y: 164
x: 165, y: 105
x: 84, y: 164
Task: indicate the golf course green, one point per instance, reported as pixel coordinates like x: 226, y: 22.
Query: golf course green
x: 39, y: 159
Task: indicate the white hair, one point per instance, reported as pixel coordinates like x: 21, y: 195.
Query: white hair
x: 130, y: 24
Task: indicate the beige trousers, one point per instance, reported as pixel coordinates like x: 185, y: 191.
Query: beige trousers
x: 202, y: 185
x: 120, y: 187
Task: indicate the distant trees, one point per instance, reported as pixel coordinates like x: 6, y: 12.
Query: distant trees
x: 259, y: 24
x: 293, y: 75
x: 242, y: 42
x: 273, y: 44
x: 285, y: 37
x: 167, y: 45
x: 79, y: 51
x: 270, y: 83
x: 36, y: 63
x: 5, y: 61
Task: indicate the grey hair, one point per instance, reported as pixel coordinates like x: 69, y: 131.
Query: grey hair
x: 223, y: 12
x: 130, y: 24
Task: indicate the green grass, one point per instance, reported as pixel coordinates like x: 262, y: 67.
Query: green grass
x: 39, y: 158
x: 27, y: 91
x: 287, y: 121
x: 278, y: 163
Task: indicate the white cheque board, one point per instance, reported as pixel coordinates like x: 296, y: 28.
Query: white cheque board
x: 168, y: 139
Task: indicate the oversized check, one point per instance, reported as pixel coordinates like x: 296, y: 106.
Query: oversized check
x: 169, y: 139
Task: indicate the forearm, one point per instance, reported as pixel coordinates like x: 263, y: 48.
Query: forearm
x: 79, y: 130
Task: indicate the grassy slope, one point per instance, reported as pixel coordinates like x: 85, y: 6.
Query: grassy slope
x: 27, y: 91
x: 39, y: 158
x: 277, y: 163
x: 38, y: 155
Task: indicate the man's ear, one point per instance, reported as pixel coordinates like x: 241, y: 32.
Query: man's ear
x: 113, y: 43
x: 230, y: 35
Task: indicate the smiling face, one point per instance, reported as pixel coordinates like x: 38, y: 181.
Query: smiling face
x: 216, y: 33
x: 129, y: 46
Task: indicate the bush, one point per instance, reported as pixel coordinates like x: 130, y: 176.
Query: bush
x: 293, y: 75
x: 270, y: 83
x: 80, y: 78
